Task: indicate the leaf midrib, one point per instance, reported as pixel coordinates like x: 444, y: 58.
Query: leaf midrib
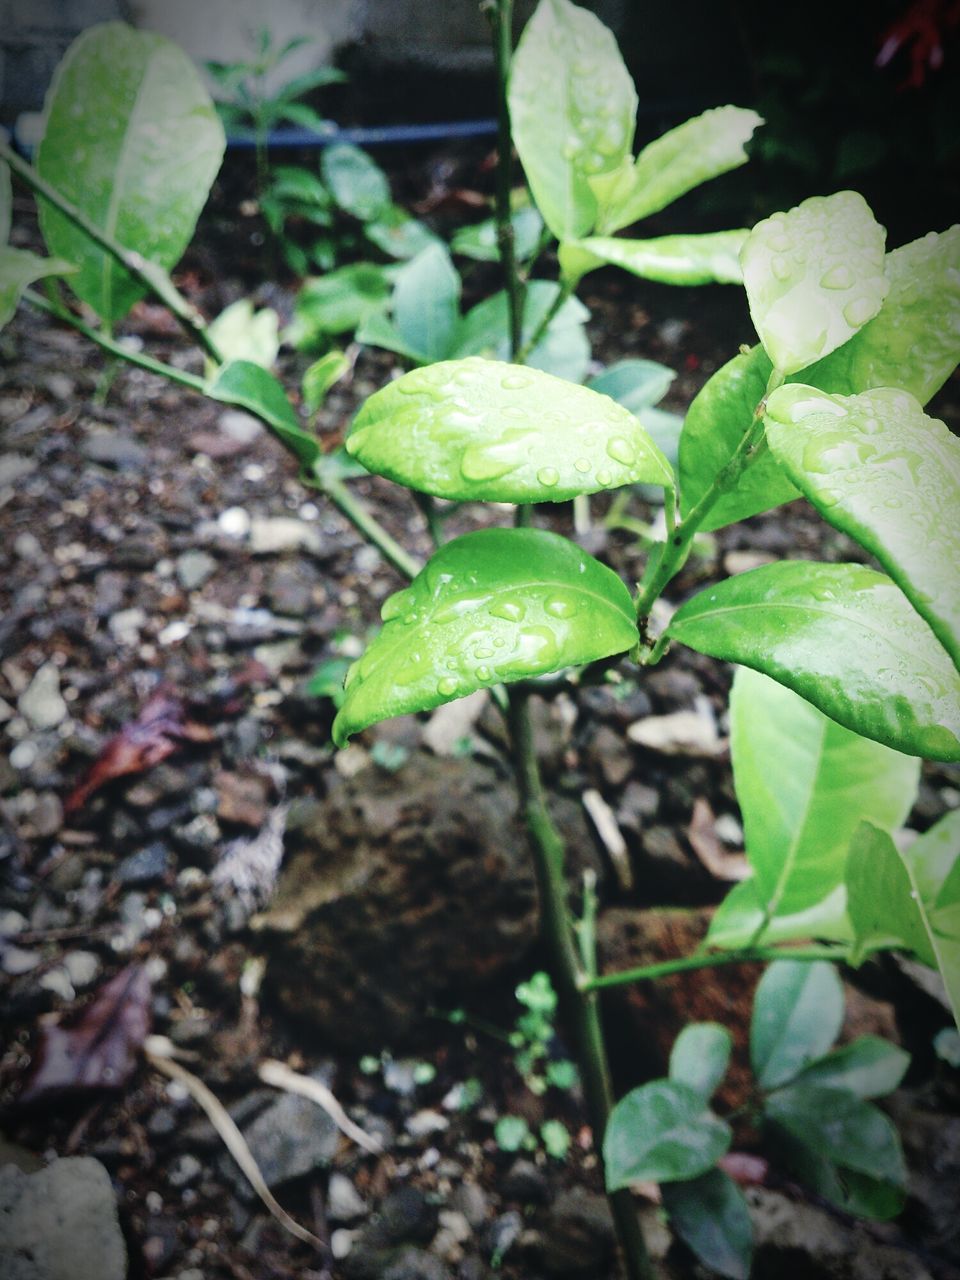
x: 118, y: 188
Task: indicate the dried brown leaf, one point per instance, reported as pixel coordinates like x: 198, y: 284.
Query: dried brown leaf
x: 709, y: 848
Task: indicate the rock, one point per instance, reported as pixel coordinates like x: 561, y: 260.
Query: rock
x: 526, y: 1183
x: 240, y: 426
x: 125, y: 626
x: 185, y: 1169
x: 15, y: 961
x: 113, y: 449
x: 290, y: 591
x: 293, y: 1136
x: 60, y: 1223
x: 637, y: 802
x: 272, y: 534
x: 470, y: 1200
x: 681, y: 733
x: 83, y: 968
x: 146, y: 865
x: 453, y: 722
x: 45, y: 816
x: 41, y: 702
x: 14, y: 467
x: 194, y: 568
x: 405, y: 887
x: 407, y: 1215
x: 579, y: 1237
x: 28, y: 547
x: 234, y: 522
x: 344, y: 1202
x: 425, y: 1123
x: 679, y: 878
x: 415, y: 1264
x: 610, y: 756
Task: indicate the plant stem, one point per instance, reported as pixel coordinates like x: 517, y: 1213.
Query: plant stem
x: 707, y: 960
x: 570, y: 975
x: 531, y: 344
x: 152, y: 277
x: 367, y: 524
x: 501, y: 17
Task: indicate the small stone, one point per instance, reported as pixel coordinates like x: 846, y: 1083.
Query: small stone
x: 15, y: 961
x: 290, y: 592
x: 470, y: 1201
x: 46, y: 814
x: 14, y: 467
x: 578, y: 1239
x: 272, y: 534
x: 681, y: 733
x: 344, y: 1202
x: 407, y: 1214
x: 24, y: 755
x: 58, y: 981
x: 186, y: 1169
x: 194, y: 568
x: 293, y: 1136
x: 240, y: 426
x: 146, y: 865
x: 174, y: 632
x: 526, y: 1183
x: 735, y: 562
x: 125, y: 626
x: 83, y: 968
x: 425, y: 1123
x: 415, y: 1264
x: 341, y: 1242
x: 234, y: 522
x: 729, y: 830
x: 12, y: 923
x: 41, y: 702
x: 113, y: 449
x: 28, y: 547
x: 637, y: 802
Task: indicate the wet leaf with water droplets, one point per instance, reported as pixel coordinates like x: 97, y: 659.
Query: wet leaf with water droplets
x: 879, y: 469
x: 814, y: 276
x: 495, y: 432
x: 133, y: 140
x: 713, y: 258
x: 842, y: 636
x: 496, y: 605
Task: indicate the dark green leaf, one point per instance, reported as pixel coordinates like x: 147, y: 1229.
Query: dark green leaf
x: 636, y: 384
x: 480, y: 429
x: 797, y: 1013
x: 843, y: 637
x: 357, y: 182
x: 496, y: 605
x: 850, y: 1190
x: 426, y: 303
x: 252, y: 388
x: 321, y: 376
x: 868, y: 1067
x: 814, y: 276
x: 711, y: 1217
x: 564, y: 350
x: 133, y: 140
x: 292, y: 182
x: 700, y: 1056
x: 572, y: 110
x: 18, y: 269
x: 338, y: 302
x: 661, y: 1132
x: 713, y: 258
x: 879, y: 469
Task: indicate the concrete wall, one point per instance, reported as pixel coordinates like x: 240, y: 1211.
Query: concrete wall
x: 33, y: 37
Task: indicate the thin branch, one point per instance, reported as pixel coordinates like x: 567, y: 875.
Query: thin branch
x: 500, y: 13
x: 712, y: 959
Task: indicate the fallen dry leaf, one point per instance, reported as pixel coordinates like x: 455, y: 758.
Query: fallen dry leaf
x: 101, y: 1049
x: 681, y: 733
x: 709, y: 848
x: 161, y: 727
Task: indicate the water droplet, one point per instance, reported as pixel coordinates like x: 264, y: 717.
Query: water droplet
x: 604, y: 477
x: 871, y: 427
x: 548, y: 476
x: 499, y: 642
x: 582, y: 465
x: 484, y: 673
x: 447, y: 686
x: 621, y: 450
x: 511, y: 610
x: 483, y: 653
x: 454, y: 609
x: 782, y: 269
x: 801, y: 409
x: 515, y: 381
x: 562, y: 606
x: 780, y: 243
x: 839, y: 277
x: 858, y: 311
x: 396, y: 604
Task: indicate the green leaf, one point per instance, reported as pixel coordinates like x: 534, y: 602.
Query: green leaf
x: 858, y: 1140
x: 321, y: 376
x: 700, y: 1057
x: 742, y: 917
x: 877, y: 468
x: 299, y: 113
x: 564, y: 350
x: 814, y: 276
x: 868, y: 1067
x: 480, y: 242
x: 797, y: 1014
x: 252, y: 388
x: 133, y: 140
x: 803, y: 784
x: 843, y: 637
x: 293, y: 182
x: 241, y: 333
x: 6, y: 202
x: 511, y: 1133
x: 18, y: 269
x: 327, y: 680
x: 711, y: 1217
x: 496, y: 605
x: 572, y: 110
x: 695, y: 151
x: 426, y: 303
x: 661, y: 1132
x: 480, y: 429
x: 377, y: 331
x: 636, y: 384
x: 933, y: 858
x: 338, y: 302
x: 713, y: 258
x: 399, y: 235
x: 356, y: 182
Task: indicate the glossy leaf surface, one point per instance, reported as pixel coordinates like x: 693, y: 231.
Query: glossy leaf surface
x: 356, y: 181
x: 496, y: 605
x: 426, y: 303
x: 797, y: 1013
x: 842, y: 636
x: 876, y: 467
x: 713, y: 258
x: 661, y: 1132
x: 868, y: 1067
x: 804, y: 783
x: 742, y: 917
x: 18, y: 269
x: 564, y: 350
x: 700, y: 1056
x: 133, y: 140
x: 481, y: 429
x: 710, y: 1215
x: 572, y: 110
x: 814, y: 276
x: 252, y: 388
x: 694, y: 152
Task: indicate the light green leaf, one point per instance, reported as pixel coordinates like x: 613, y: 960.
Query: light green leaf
x: 868, y: 1067
x: 934, y: 856
x: 842, y: 636
x: 797, y: 1014
x: 814, y: 276
x: 356, y: 182
x: 496, y: 605
x: 480, y: 429
x: 564, y: 350
x: 700, y: 1057
x: 479, y: 241
x: 426, y: 303
x: 378, y: 331
x: 399, y: 235
x: 251, y: 387
x: 133, y: 140
x: 713, y: 258
x: 803, y: 784
x: 879, y: 469
x: 321, y: 376
x: 661, y: 1132
x: 695, y: 151
x: 337, y: 303
x: 572, y: 110
x: 741, y: 917
x: 711, y: 1217
x: 241, y: 333
x: 636, y: 384
x: 18, y: 269
x: 6, y: 202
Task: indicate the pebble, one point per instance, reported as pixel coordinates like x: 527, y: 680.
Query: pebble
x: 424, y: 1123
x: 41, y: 702
x: 272, y: 534
x: 680, y: 733
x: 15, y: 961
x: 293, y: 1136
x: 147, y: 864
x: 185, y: 1169
x: 470, y: 1201
x: 525, y: 1182
x: 14, y: 467
x: 344, y: 1202
x: 193, y: 568
x: 113, y: 449
x: 12, y: 923
x: 234, y: 522
x: 58, y: 981
x: 240, y: 426
x: 28, y: 547
x: 126, y: 625
x: 341, y: 1242
x: 83, y: 968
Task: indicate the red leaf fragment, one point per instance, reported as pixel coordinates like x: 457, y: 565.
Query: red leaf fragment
x: 101, y: 1049
x: 161, y: 727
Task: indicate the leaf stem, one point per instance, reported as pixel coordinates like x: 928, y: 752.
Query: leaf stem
x: 531, y: 344
x: 152, y: 277
x: 711, y: 959
x: 366, y: 523
x: 500, y: 13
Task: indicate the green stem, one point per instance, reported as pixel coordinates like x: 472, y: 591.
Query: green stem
x: 568, y: 970
x: 531, y: 344
x: 152, y: 277
x: 500, y: 13
x: 367, y: 524
x: 708, y: 960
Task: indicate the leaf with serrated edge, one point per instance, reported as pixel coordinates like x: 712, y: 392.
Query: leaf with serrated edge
x: 877, y: 468
x: 713, y: 258
x: 572, y: 110
x: 19, y: 268
x: 694, y: 152
x: 814, y: 276
x: 803, y: 784
x: 661, y: 1132
x: 797, y: 1014
x: 842, y: 636
x: 144, y: 179
x: 496, y: 605
x: 485, y: 430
